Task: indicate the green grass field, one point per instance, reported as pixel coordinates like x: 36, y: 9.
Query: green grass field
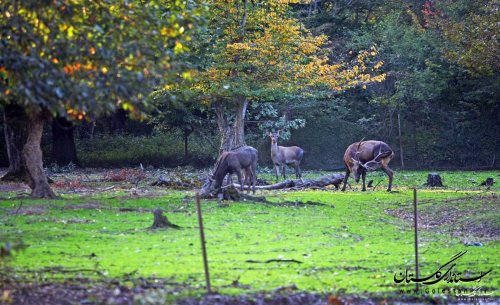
x: 340, y: 242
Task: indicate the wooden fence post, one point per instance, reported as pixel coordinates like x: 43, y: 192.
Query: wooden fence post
x: 415, y: 220
x: 203, y: 247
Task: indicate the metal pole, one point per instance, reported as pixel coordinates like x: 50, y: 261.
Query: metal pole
x: 415, y: 215
x: 202, y: 237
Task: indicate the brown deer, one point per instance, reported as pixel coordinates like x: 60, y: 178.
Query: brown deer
x: 283, y: 156
x: 242, y: 161
x: 365, y: 156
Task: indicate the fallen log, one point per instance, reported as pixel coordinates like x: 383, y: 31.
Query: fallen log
x: 171, y: 182
x: 297, y: 184
x: 231, y: 192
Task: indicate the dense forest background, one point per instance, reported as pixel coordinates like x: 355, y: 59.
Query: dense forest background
x: 437, y: 108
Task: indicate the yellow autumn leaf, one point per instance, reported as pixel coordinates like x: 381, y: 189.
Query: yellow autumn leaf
x: 186, y: 75
x: 178, y: 48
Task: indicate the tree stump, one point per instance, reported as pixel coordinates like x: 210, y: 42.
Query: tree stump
x: 488, y: 182
x: 161, y: 221
x: 434, y: 180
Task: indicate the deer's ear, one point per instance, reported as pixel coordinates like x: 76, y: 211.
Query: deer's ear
x: 270, y: 134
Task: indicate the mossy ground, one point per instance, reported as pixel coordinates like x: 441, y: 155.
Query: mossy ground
x: 354, y: 243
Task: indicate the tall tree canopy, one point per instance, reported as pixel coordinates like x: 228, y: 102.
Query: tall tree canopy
x: 257, y: 51
x: 78, y: 59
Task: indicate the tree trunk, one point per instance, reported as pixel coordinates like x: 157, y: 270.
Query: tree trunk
x: 244, y: 20
x: 187, y: 133
x: 232, y: 131
x: 85, y: 130
x: 15, y: 128
x: 32, y: 154
x: 118, y: 120
x: 63, y: 142
x: 434, y: 180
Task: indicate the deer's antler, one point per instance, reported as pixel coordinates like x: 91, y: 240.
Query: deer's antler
x: 373, y: 164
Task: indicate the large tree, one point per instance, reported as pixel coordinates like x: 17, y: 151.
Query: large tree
x: 256, y: 51
x: 80, y: 59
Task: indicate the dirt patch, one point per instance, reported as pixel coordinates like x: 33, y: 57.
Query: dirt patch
x: 475, y: 216
x: 13, y: 187
x: 161, y: 292
x: 43, y: 209
x: 87, y: 206
x: 29, y: 210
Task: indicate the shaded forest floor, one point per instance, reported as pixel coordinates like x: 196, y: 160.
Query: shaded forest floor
x: 94, y: 245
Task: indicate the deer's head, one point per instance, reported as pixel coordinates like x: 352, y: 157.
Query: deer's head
x: 274, y: 136
x: 357, y: 167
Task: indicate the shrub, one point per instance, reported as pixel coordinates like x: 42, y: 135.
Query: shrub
x: 158, y: 150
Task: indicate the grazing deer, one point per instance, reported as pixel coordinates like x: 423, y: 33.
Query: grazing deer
x: 283, y: 156
x: 235, y: 162
x: 365, y: 156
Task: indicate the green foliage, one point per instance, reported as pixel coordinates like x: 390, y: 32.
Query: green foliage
x: 79, y: 58
x: 159, y: 150
x: 263, y: 53
x: 471, y: 29
x: 267, y: 118
x: 449, y: 116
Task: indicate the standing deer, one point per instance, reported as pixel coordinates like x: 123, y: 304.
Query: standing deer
x: 235, y: 162
x: 283, y: 156
x: 365, y: 156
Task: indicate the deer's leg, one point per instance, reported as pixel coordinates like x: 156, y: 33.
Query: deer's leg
x: 240, y: 179
x: 284, y: 171
x: 248, y: 177
x: 298, y: 175
x: 253, y: 168
x: 245, y: 177
x: 277, y: 170
x: 347, y: 172
x: 390, y: 174
x: 363, y: 176
x: 229, y: 179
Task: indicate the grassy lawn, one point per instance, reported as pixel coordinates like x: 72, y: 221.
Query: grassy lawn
x: 350, y: 242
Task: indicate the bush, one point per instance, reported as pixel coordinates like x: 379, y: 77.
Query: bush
x: 158, y: 150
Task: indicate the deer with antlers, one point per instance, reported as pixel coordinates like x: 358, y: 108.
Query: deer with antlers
x: 364, y: 156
